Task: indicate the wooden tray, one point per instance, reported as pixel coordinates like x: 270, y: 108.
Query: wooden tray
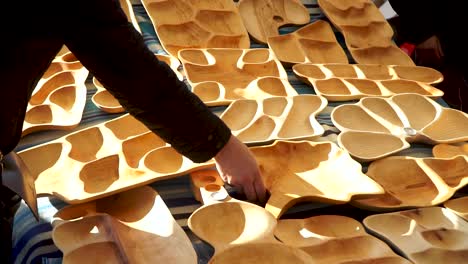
x: 431, y: 235
x: 107, y: 102
x: 415, y: 182
x: 221, y: 76
x: 241, y: 230
x: 367, y: 34
x: 261, y: 121
x: 263, y: 18
x: 450, y: 150
x: 458, y: 206
x: 343, y: 82
x: 197, y: 24
x: 297, y: 171
x: 59, y: 98
x: 131, y: 227
x: 377, y: 127
x: 335, y: 239
x: 315, y: 43
x: 104, y: 159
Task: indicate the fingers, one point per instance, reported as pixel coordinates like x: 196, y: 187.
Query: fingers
x: 249, y: 192
x: 260, y: 190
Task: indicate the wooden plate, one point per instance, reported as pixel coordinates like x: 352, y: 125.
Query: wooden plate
x: 134, y: 227
x: 426, y: 235
x: 415, y: 182
x: 221, y: 76
x: 375, y: 127
x: 450, y: 150
x: 343, y: 82
x: 263, y: 18
x: 458, y: 206
x: 335, y: 239
x: 105, y: 101
x: 285, y: 118
x: 104, y: 159
x: 297, y: 171
x: 314, y: 43
x: 59, y: 98
x: 197, y: 24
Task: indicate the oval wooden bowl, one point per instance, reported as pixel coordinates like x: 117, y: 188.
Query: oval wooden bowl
x: 285, y: 118
x: 377, y: 127
x: 458, y: 206
x: 313, y: 43
x: 213, y: 24
x: 134, y: 226
x: 221, y: 76
x: 415, y: 182
x: 262, y: 19
x: 426, y: 235
x: 335, y: 239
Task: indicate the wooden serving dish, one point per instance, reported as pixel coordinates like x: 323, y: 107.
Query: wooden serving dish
x: 367, y: 34
x: 297, y: 171
x: 458, y: 206
x: 285, y: 118
x: 236, y: 228
x: 58, y: 100
x: 105, y: 101
x: 450, y: 150
x: 197, y: 24
x: 104, y: 159
x: 425, y: 236
x: 263, y: 18
x: 335, y: 239
x: 315, y: 43
x: 375, y: 127
x: 221, y: 76
x: 415, y: 182
x: 344, y: 82
x: 130, y: 227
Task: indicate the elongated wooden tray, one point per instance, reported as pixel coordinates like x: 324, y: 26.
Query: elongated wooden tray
x: 430, y: 235
x: 450, y: 150
x: 130, y: 227
x: 314, y: 43
x: 375, y: 127
x: 415, y: 182
x: 59, y: 98
x: 285, y: 118
x: 221, y: 76
x: 197, y: 24
x: 343, y: 82
x: 104, y: 159
x: 458, y: 206
x: 335, y: 239
x: 263, y: 18
x: 297, y: 171
x: 236, y: 228
x: 105, y: 101
x: 367, y: 34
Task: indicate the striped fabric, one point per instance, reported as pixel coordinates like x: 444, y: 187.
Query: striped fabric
x: 32, y: 242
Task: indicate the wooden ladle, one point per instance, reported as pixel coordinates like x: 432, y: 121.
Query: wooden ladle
x: 234, y: 227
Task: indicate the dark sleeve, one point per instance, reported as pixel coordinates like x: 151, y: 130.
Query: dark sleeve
x: 99, y: 35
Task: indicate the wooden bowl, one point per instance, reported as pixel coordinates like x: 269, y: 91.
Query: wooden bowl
x: 297, y: 171
x: 104, y: 159
x: 58, y: 100
x: 450, y: 150
x: 134, y: 226
x: 415, y: 182
x: 105, y: 101
x: 335, y: 239
x: 197, y: 24
x: 221, y: 76
x: 313, y: 43
x: 426, y: 235
x: 262, y: 19
x: 458, y: 206
x: 285, y: 118
x: 375, y: 128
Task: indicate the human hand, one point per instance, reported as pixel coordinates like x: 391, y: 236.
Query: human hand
x: 238, y: 167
